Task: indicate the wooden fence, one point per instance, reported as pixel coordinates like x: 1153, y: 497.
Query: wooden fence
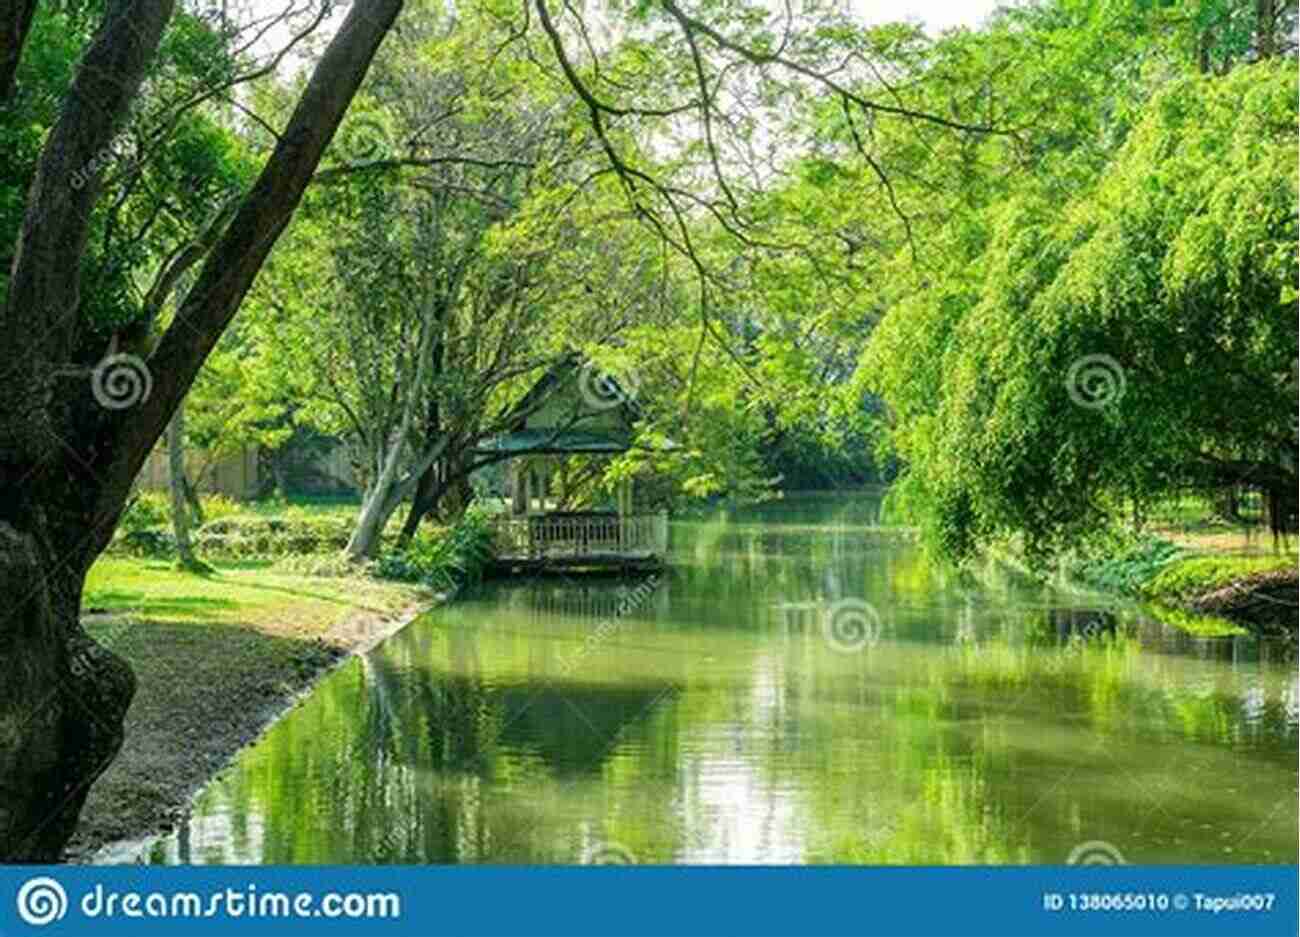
x: 236, y: 476
x: 580, y: 535
x: 245, y: 475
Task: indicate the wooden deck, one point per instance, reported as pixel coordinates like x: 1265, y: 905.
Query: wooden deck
x: 588, y: 540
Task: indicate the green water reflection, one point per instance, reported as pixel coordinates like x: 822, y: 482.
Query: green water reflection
x: 707, y: 718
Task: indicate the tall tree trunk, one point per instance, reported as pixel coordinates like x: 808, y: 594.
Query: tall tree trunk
x: 1265, y: 29
x: 67, y: 458
x: 192, y: 499
x: 280, y: 472
x: 62, y: 699
x: 425, y: 490
x: 423, y: 502
x: 384, y: 497
x: 375, y: 514
x: 180, y: 507
x: 1203, y: 42
x: 387, y: 490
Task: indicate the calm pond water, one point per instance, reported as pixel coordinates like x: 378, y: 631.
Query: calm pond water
x: 800, y: 687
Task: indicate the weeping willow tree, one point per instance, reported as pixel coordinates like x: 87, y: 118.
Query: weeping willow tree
x: 1118, y: 344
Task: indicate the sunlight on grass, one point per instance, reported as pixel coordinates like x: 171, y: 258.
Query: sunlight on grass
x: 235, y: 594
x: 1194, y: 574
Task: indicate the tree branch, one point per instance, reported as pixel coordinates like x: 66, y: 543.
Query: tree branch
x: 237, y: 257
x: 39, y: 320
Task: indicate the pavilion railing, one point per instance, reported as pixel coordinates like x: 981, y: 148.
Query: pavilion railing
x: 582, y: 534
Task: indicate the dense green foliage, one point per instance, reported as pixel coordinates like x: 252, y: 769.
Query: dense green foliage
x: 1127, y: 565
x: 1027, y: 288
x: 1077, y: 345
x: 165, y: 176
x: 446, y: 561
x: 1188, y: 577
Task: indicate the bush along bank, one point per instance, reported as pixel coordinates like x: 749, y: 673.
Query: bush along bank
x: 446, y: 562
x: 308, y: 541
x: 1205, y: 593
x: 238, y: 538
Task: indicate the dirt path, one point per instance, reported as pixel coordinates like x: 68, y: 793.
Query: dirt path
x: 203, y: 694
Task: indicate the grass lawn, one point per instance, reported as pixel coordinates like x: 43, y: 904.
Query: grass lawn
x: 216, y: 658
x: 1190, y: 575
x: 250, y: 595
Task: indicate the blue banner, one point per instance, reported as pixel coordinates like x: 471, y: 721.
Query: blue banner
x: 1181, y: 901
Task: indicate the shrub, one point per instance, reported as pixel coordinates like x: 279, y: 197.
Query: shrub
x: 218, y: 506
x: 1126, y: 565
x: 248, y: 536
x: 444, y: 561
x: 238, y: 537
x: 154, y: 543
x: 146, y: 509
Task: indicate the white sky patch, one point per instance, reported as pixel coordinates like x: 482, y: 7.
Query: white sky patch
x: 936, y: 15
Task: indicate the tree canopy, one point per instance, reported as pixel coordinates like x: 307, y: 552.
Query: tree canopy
x: 1044, y: 267
x: 1082, y: 355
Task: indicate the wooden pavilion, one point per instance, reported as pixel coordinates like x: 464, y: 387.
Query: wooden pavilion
x: 571, y: 411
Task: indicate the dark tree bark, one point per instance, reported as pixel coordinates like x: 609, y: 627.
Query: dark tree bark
x: 426, y: 490
x: 15, y: 23
x: 192, y: 499
x: 67, y: 459
x: 1265, y: 27
x: 423, y: 502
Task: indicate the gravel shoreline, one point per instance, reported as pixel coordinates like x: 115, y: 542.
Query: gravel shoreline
x: 203, y: 695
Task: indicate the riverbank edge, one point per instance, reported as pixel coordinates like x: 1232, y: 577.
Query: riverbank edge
x: 1199, y: 593
x: 1199, y: 600
x: 1264, y: 603
x: 172, y: 796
